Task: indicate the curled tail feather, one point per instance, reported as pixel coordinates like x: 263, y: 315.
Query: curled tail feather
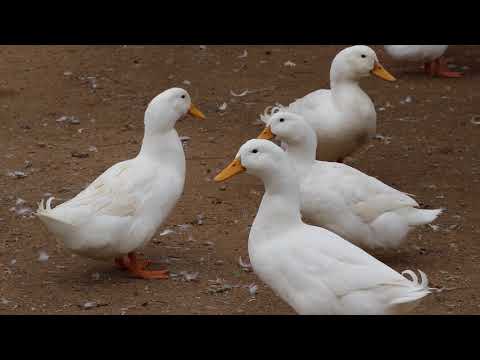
x: 45, y: 207
x: 59, y: 227
x: 269, y: 111
x: 423, y: 284
x: 419, y: 288
x: 46, y: 215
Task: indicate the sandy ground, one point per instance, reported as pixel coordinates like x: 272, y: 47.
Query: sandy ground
x: 429, y: 148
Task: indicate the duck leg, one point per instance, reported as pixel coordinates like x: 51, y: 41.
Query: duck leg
x: 428, y: 68
x: 122, y: 262
x: 138, y: 268
x: 440, y: 68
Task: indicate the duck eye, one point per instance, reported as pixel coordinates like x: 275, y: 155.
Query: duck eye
x: 282, y: 120
x: 364, y: 56
x: 254, y: 151
x: 184, y: 96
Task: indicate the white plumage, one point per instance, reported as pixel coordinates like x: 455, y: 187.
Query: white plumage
x: 356, y: 206
x: 424, y: 53
x: 122, y: 209
x: 430, y: 55
x: 343, y: 117
x: 311, y: 268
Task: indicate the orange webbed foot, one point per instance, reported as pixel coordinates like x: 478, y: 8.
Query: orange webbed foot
x: 440, y: 68
x: 138, y: 268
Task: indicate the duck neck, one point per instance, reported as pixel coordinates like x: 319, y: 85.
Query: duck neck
x: 339, y: 86
x: 303, y: 153
x: 347, y: 94
x: 280, y: 206
x: 164, y: 147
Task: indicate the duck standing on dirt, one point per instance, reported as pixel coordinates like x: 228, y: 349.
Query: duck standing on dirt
x: 123, y: 208
x: 344, y: 117
x: 358, y: 207
x: 430, y: 55
x: 314, y: 270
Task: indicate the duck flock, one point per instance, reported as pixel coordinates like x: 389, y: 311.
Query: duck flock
x: 318, y: 217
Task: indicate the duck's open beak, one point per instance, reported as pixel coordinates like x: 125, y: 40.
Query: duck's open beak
x: 196, y: 113
x: 234, y: 168
x: 266, y: 134
x: 379, y: 70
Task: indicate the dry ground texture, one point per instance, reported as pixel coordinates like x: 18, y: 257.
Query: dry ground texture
x: 428, y: 147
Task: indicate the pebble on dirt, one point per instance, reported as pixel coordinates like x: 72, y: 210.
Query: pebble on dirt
x: 189, y: 276
x: 69, y: 120
x: 17, y: 174
x: 80, y: 155
x: 43, y: 256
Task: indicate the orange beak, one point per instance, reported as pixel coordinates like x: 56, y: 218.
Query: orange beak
x: 379, y: 70
x: 266, y: 134
x: 234, y: 168
x: 196, y: 113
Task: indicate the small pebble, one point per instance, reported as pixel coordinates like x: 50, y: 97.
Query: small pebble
x: 17, y: 174
x: 89, y: 305
x: 43, y: 256
x: 80, y: 155
x: 68, y: 119
x: 96, y: 276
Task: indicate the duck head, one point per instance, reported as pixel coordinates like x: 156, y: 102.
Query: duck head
x: 166, y: 108
x: 258, y: 157
x: 356, y: 62
x: 287, y: 127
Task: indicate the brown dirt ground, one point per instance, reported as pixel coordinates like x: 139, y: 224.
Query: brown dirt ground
x: 431, y: 151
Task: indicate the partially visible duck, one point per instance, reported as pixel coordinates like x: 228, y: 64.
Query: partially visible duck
x: 358, y: 207
x: 430, y: 55
x: 343, y: 117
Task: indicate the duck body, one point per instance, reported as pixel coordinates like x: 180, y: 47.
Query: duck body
x: 358, y: 207
x: 318, y: 273
x: 312, y: 269
x: 423, y: 53
x: 122, y: 209
x: 343, y: 117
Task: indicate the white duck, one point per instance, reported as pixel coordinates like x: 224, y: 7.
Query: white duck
x: 343, y: 117
x: 342, y: 199
x: 311, y: 268
x: 123, y: 208
x: 430, y: 55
